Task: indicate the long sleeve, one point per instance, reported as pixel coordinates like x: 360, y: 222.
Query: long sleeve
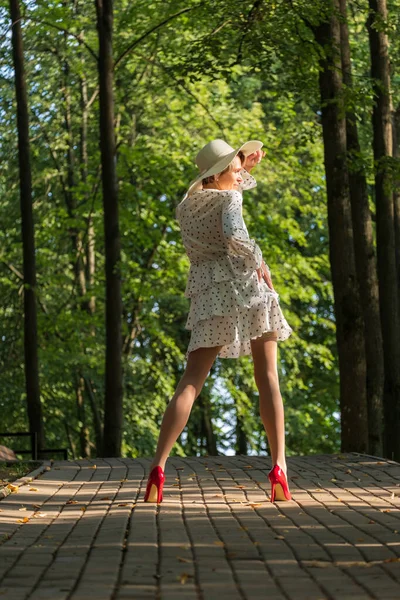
x: 248, y: 181
x: 235, y: 231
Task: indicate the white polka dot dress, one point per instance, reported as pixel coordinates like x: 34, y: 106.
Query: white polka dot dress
x: 229, y: 306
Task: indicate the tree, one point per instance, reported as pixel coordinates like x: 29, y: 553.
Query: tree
x: 385, y: 224
x: 113, y: 384
x: 28, y: 235
x: 365, y: 256
x: 349, y: 319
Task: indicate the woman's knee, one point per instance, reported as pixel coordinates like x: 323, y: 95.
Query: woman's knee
x: 266, y: 378
x: 198, y: 367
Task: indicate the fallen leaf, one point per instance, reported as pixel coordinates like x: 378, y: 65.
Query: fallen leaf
x: 372, y: 522
x: 348, y: 471
x: 83, y: 508
x: 184, y: 560
x: 254, y: 504
x: 36, y: 506
x: 71, y: 502
x: 219, y: 543
x: 394, y: 559
x: 333, y: 479
x: 279, y: 537
x: 24, y: 520
x: 23, y: 508
x: 33, y: 489
x: 105, y: 498
x: 13, y: 488
x: 93, y: 467
x: 123, y: 504
x: 184, y: 577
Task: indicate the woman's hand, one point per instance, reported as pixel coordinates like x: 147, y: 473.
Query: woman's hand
x: 253, y: 159
x: 263, y: 273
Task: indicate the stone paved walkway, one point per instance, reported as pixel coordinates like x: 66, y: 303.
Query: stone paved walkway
x: 82, y: 531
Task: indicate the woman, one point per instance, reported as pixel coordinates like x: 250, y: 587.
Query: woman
x: 234, y: 308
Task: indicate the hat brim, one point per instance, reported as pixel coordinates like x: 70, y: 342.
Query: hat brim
x: 247, y: 148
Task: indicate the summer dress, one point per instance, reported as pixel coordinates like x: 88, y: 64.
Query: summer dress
x: 229, y: 306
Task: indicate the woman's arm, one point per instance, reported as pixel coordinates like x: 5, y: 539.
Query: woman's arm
x: 248, y: 181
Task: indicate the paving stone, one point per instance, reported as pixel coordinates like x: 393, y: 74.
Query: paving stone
x: 215, y: 536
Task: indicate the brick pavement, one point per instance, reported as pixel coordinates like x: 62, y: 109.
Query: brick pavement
x: 81, y: 530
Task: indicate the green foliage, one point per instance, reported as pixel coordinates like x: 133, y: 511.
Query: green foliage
x: 214, y: 69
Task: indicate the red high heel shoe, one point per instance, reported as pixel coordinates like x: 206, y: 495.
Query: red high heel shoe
x: 155, y: 484
x: 279, y: 486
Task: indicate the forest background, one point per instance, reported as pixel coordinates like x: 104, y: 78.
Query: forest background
x: 184, y: 73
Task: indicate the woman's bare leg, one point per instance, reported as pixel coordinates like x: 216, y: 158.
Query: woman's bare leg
x: 264, y: 351
x: 178, y: 410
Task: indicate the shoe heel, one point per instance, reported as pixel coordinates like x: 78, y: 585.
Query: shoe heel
x: 153, y: 494
x: 272, y: 492
x: 279, y: 493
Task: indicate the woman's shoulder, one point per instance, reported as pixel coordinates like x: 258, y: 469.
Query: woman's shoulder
x: 202, y: 198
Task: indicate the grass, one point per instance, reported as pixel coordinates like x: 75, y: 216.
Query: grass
x: 12, y: 470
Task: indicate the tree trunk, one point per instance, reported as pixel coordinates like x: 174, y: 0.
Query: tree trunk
x: 98, y: 431
x: 90, y: 246
x: 396, y: 198
x: 113, y: 383
x: 349, y: 320
x: 365, y: 262
x: 84, y: 440
x: 28, y: 237
x: 241, y: 438
x: 207, y: 427
x: 385, y: 228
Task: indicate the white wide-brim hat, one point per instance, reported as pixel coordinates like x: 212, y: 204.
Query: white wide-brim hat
x: 215, y: 157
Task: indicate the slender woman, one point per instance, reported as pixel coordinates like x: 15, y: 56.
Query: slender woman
x: 234, y: 309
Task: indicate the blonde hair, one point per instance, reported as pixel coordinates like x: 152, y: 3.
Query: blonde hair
x: 229, y: 168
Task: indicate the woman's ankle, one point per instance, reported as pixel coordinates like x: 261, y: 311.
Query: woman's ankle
x: 156, y: 463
